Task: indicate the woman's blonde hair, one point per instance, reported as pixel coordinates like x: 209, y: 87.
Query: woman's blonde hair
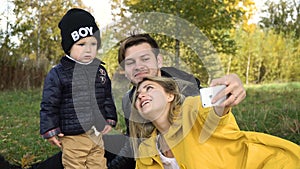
x: 141, y: 128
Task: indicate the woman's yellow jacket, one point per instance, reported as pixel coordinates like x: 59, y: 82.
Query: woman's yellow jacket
x: 199, y: 139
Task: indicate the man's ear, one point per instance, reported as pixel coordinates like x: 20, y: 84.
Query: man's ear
x: 170, y: 97
x: 159, y: 60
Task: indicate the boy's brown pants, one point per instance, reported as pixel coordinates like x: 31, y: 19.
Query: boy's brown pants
x: 84, y: 151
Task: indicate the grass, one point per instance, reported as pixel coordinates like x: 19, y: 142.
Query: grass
x: 19, y: 128
x: 271, y: 108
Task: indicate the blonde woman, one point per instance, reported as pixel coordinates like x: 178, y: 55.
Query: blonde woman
x: 167, y: 134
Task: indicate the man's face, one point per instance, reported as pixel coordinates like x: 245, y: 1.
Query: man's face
x: 141, y: 62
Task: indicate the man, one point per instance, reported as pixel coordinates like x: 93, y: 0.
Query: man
x: 139, y: 56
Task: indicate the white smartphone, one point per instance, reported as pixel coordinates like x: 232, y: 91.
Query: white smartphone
x: 208, y: 93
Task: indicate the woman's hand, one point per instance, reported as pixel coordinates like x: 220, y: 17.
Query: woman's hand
x: 234, y: 90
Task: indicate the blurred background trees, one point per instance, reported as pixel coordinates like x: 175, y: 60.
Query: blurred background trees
x: 30, y: 45
x: 263, y: 52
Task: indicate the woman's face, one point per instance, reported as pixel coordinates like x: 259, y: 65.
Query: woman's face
x: 152, y: 102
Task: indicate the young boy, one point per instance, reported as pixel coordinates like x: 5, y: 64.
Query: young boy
x: 77, y: 100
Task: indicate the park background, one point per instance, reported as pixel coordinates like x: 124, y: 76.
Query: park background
x: 264, y: 53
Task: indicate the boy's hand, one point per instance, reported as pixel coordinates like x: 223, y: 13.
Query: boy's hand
x: 55, y: 141
x: 106, y: 129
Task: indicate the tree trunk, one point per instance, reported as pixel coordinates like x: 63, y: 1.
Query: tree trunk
x: 248, y: 68
x: 177, y: 52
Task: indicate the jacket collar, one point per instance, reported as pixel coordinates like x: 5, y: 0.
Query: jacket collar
x: 147, y: 147
x: 148, y: 152
x: 69, y: 63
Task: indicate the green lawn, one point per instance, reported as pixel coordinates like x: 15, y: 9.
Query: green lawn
x: 272, y: 108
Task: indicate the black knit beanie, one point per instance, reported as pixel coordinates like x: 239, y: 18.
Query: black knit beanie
x: 76, y: 24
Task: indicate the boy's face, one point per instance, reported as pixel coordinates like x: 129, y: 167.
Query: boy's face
x: 141, y: 62
x: 84, y: 50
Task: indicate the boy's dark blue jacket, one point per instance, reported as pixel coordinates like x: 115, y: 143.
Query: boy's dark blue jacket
x: 76, y: 97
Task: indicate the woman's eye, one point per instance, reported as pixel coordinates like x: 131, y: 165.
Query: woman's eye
x: 137, y: 96
x: 149, y: 88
